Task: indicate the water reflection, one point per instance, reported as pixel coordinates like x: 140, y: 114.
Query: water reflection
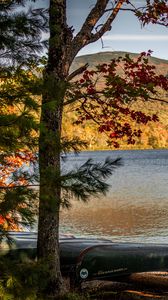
x: 105, y: 220
x: 136, y: 207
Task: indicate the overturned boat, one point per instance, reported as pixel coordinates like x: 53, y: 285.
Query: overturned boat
x: 88, y: 259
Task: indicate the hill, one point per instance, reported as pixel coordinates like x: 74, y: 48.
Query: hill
x: 105, y: 57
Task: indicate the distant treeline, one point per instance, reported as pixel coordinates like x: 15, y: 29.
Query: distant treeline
x: 154, y: 135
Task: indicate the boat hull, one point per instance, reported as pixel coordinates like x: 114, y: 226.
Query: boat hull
x: 88, y: 259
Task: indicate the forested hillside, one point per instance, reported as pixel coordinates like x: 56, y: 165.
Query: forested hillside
x: 105, y: 57
x: 154, y: 135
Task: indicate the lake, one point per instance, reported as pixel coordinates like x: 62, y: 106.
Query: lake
x: 136, y: 206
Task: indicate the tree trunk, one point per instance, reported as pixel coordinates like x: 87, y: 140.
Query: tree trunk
x: 62, y: 50
x: 50, y: 193
x: 50, y: 146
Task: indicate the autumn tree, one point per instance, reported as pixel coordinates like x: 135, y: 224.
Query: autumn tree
x: 57, y: 188
x: 20, y: 45
x: 63, y: 47
x: 20, y: 85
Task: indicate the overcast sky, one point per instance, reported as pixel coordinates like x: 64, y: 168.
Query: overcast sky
x: 126, y: 33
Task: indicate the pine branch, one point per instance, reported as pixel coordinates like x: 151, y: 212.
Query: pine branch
x: 75, y: 144
x: 21, y: 204
x: 88, y: 180
x: 21, y: 33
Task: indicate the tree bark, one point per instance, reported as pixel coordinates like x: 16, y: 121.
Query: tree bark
x: 50, y: 146
x: 62, y: 50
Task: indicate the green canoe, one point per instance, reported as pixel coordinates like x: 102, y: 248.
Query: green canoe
x: 87, y: 259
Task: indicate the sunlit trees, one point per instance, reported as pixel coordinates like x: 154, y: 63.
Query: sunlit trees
x: 20, y: 44
x: 63, y: 47
x: 138, y: 80
x: 57, y: 188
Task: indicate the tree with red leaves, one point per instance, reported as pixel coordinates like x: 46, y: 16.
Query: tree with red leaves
x: 105, y: 107
x: 63, y: 47
x: 110, y: 106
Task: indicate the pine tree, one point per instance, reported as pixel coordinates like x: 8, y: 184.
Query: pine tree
x: 20, y: 83
x: 56, y: 188
x: 21, y: 33
x: 21, y: 46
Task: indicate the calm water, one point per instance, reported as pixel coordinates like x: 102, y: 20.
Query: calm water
x: 136, y: 206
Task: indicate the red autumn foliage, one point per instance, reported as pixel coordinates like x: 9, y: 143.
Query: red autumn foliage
x: 155, y: 12
x: 109, y: 103
x: 9, y: 166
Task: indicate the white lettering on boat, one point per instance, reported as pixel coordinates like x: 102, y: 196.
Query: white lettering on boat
x: 111, y: 271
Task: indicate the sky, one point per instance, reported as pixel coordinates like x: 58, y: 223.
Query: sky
x: 126, y: 33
